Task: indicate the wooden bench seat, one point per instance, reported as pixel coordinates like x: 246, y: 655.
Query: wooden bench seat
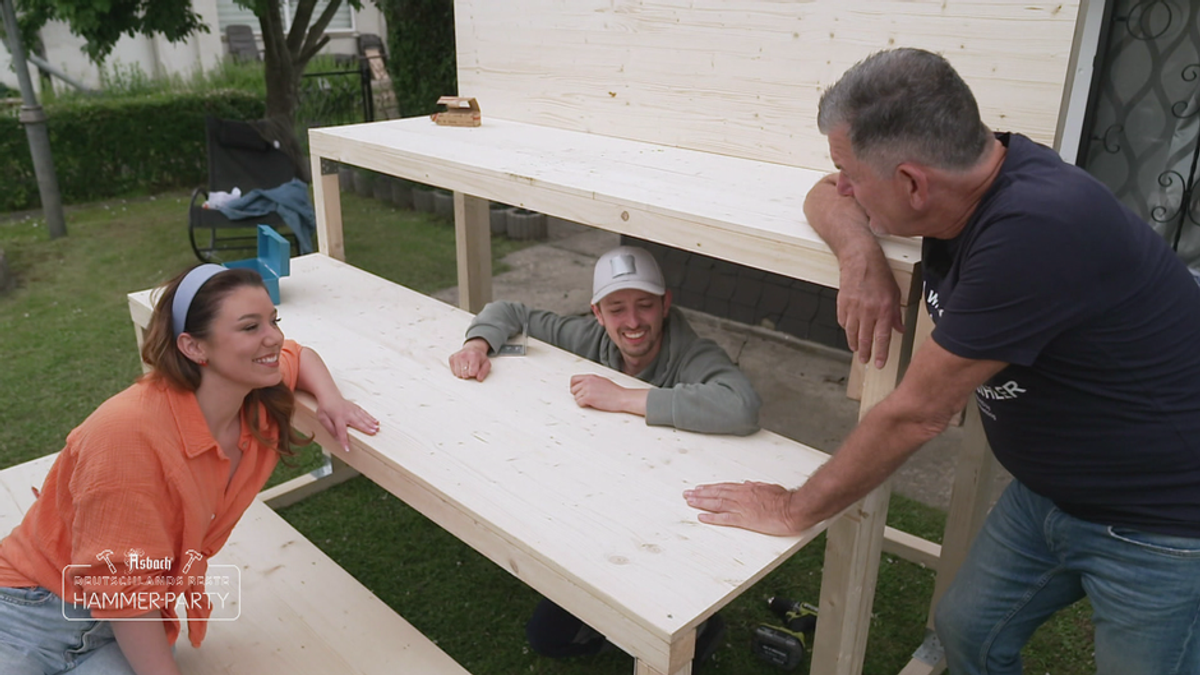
x: 299, y: 611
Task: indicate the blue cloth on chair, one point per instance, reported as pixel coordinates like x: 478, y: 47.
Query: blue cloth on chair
x: 289, y: 200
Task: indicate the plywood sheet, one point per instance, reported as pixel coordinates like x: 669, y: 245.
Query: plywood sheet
x: 731, y: 208
x: 743, y: 78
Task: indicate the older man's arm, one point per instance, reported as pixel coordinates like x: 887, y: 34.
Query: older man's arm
x: 868, y: 301
x: 932, y: 392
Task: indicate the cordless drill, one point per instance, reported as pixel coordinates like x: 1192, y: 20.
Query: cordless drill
x: 784, y: 646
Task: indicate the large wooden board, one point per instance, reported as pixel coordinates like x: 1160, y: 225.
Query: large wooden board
x: 735, y: 209
x: 743, y: 78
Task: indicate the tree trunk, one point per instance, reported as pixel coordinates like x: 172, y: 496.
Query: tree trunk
x: 283, y: 71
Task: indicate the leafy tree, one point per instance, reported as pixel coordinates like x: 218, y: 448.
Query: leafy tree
x: 287, y: 50
x: 421, y: 42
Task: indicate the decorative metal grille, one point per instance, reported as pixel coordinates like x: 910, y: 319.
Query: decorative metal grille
x: 332, y: 98
x: 1144, y: 127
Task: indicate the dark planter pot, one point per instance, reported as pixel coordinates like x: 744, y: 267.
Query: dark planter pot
x: 6, y: 277
x: 443, y: 205
x: 558, y: 228
x: 402, y: 193
x: 422, y: 197
x: 381, y: 190
x: 524, y: 224
x: 362, y: 183
x: 498, y: 213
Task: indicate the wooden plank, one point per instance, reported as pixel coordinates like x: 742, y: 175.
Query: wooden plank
x: 17, y: 484
x: 735, y: 209
x: 854, y: 380
x: 301, y: 487
x: 327, y: 203
x: 473, y: 246
x: 744, y: 78
x: 911, y: 548
x: 855, y: 541
x: 301, y: 613
x: 853, y: 545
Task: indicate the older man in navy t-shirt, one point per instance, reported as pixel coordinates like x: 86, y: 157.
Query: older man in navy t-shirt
x: 1075, y: 327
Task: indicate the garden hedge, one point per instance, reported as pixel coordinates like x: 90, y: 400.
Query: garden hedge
x: 108, y: 147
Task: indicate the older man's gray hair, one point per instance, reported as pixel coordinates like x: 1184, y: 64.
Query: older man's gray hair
x: 906, y: 105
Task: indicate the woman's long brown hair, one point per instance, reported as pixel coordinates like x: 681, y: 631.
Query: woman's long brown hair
x: 169, y: 365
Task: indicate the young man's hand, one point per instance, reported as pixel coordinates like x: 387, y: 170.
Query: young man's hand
x: 601, y: 393
x: 472, y: 362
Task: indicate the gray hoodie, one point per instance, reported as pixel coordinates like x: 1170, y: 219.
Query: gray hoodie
x: 697, y: 387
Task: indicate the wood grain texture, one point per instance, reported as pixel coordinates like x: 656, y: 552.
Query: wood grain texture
x: 744, y: 78
x: 735, y: 209
x: 583, y: 505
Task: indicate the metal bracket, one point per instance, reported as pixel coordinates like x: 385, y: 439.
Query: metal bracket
x: 31, y: 115
x: 328, y: 167
x: 324, y: 470
x: 931, y: 651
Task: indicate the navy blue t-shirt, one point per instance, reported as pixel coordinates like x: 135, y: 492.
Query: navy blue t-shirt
x: 1099, y: 409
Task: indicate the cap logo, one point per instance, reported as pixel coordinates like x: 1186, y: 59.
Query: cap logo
x: 623, y: 265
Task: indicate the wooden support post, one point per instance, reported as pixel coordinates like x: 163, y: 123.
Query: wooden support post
x: 333, y: 472
x: 854, y: 542
x: 853, y: 545
x: 327, y: 202
x: 473, y: 239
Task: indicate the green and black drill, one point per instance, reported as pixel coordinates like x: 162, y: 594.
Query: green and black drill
x: 785, y: 646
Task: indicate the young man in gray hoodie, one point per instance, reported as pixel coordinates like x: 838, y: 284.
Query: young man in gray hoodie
x: 633, y: 329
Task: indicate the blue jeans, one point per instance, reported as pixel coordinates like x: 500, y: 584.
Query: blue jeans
x: 1031, y: 559
x: 36, y: 639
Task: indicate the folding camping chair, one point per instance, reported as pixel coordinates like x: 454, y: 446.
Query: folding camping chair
x: 238, y: 156
x: 242, y: 44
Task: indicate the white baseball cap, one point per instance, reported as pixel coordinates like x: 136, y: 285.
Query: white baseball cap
x: 626, y: 267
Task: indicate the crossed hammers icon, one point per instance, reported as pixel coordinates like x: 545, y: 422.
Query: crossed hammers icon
x: 193, y: 556
x: 104, y: 555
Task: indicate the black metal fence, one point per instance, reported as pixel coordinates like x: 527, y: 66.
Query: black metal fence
x: 332, y: 98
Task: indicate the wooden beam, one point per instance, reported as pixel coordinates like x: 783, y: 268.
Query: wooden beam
x: 334, y: 472
x: 473, y: 241
x: 911, y: 548
x: 327, y: 202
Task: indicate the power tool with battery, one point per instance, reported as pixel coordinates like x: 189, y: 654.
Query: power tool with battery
x: 785, y: 646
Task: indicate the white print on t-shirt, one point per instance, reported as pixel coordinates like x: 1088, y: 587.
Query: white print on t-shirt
x: 1007, y: 390
x: 932, y: 299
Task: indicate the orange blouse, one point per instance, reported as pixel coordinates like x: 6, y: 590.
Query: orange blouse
x: 140, y: 492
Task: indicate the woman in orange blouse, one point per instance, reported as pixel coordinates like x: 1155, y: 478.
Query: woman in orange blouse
x: 153, y: 481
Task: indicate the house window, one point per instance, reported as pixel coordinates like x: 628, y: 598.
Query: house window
x: 229, y: 12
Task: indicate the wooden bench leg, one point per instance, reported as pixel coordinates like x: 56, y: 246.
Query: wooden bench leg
x: 853, y: 545
x: 332, y: 472
x: 327, y: 202
x: 473, y: 241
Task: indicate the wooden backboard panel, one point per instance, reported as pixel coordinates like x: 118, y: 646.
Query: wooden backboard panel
x: 743, y: 77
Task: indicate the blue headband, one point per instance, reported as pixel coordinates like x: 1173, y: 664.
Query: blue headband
x: 186, y: 292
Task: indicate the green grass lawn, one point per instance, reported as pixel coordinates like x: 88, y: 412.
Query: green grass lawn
x: 66, y: 344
